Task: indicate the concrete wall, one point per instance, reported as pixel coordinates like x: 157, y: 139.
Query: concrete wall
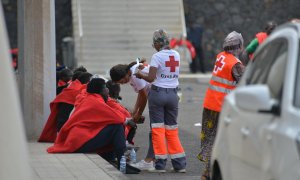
x: 219, y: 17
x: 36, y: 38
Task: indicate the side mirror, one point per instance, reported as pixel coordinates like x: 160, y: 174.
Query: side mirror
x: 254, y: 98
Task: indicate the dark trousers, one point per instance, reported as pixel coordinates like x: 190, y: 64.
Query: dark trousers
x: 198, y: 63
x: 64, y: 110
x: 110, y: 135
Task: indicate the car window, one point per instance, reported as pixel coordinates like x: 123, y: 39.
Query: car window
x: 297, y: 83
x: 262, y: 63
x: 276, y: 74
x: 269, y: 67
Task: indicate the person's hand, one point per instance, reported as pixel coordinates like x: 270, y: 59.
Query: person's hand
x: 138, y: 74
x: 136, y: 117
x: 141, y: 120
x: 130, y: 122
x: 141, y: 66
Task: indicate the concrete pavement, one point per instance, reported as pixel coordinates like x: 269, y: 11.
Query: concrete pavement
x: 69, y: 166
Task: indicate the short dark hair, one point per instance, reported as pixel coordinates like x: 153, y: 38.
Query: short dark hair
x: 85, y: 77
x: 114, y: 89
x: 118, y: 72
x: 270, y: 26
x: 65, y: 74
x: 80, y: 69
x: 76, y: 75
x: 96, y: 85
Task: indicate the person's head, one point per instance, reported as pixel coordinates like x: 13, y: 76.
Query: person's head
x: 84, y: 77
x: 120, y: 73
x: 76, y: 75
x: 114, y: 89
x: 98, y: 86
x: 160, y: 40
x: 65, y: 75
x: 80, y: 69
x: 233, y: 43
x: 270, y: 26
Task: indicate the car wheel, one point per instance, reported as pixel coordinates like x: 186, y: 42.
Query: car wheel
x: 216, y: 175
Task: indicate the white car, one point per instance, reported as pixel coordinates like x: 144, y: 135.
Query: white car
x: 258, y: 135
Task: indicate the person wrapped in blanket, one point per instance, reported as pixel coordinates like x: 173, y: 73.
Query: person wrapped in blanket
x: 97, y: 124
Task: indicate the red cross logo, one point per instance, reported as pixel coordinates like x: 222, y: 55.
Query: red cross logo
x: 219, y: 64
x: 172, y: 64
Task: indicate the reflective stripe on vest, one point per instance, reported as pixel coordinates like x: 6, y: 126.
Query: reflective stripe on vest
x: 179, y: 155
x: 219, y: 89
x: 223, y: 81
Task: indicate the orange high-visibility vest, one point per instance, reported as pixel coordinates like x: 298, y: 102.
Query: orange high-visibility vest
x: 221, y: 82
x: 261, y: 37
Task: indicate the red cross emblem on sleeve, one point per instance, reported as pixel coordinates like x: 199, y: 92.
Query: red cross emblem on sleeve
x: 219, y: 64
x: 172, y: 64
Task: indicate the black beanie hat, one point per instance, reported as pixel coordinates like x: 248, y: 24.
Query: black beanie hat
x: 96, y: 85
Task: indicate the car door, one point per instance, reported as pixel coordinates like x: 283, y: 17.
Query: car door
x: 249, y: 128
x: 280, y: 138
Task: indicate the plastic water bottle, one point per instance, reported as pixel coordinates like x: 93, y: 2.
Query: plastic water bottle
x: 123, y: 164
x: 132, y: 156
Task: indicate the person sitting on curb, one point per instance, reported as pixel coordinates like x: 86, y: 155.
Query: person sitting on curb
x: 113, y: 103
x: 94, y: 125
x: 64, y: 79
x: 114, y: 90
x: 62, y: 106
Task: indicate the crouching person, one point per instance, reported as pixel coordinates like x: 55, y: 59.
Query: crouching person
x: 93, y: 126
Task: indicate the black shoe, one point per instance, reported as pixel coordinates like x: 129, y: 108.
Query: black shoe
x: 132, y: 170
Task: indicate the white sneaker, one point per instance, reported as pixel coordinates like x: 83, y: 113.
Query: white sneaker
x: 143, y: 165
x: 153, y: 170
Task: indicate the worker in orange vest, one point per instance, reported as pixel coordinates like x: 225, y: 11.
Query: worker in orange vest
x: 259, y: 38
x: 227, y: 72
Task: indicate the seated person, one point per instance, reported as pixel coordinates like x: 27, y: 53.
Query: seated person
x: 64, y: 79
x: 94, y: 125
x: 80, y: 69
x: 114, y: 90
x: 74, y: 76
x: 62, y: 106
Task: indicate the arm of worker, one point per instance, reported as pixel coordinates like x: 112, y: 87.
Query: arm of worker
x: 237, y: 71
x: 140, y: 104
x: 150, y: 77
x: 252, y: 46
